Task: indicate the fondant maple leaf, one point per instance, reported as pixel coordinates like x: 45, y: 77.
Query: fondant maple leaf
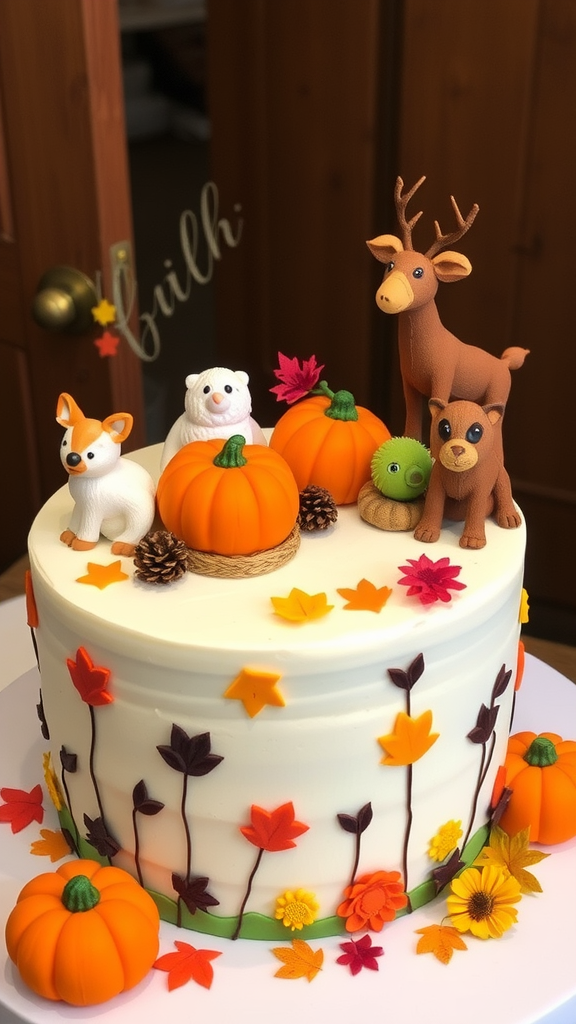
x: 300, y: 606
x: 187, y: 964
x: 53, y: 844
x: 256, y: 689
x: 359, y: 953
x: 21, y: 808
x: 104, y: 313
x: 410, y: 740
x: 273, y: 830
x: 102, y: 576
x: 189, y: 755
x: 89, y: 679
x: 365, y: 597
x: 296, y: 380
x: 31, y: 609
x: 194, y: 893
x: 107, y: 344
x: 513, y: 853
x: 299, y: 960
x: 441, y: 940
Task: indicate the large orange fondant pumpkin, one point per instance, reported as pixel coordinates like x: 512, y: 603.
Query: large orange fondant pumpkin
x: 83, y: 934
x: 227, y: 497
x: 329, y: 441
x: 541, y: 772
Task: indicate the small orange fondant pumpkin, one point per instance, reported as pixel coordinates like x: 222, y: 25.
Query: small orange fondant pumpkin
x: 541, y: 772
x: 329, y: 441
x: 228, y: 497
x: 83, y: 933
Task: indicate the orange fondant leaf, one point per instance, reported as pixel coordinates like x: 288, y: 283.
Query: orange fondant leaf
x: 300, y: 606
x: 273, y: 830
x: 31, y: 609
x: 366, y: 597
x: 187, y: 964
x: 103, y: 575
x: 410, y: 740
x: 256, y: 688
x: 299, y: 961
x: 104, y: 313
x: 441, y: 940
x: 514, y: 854
x: 52, y: 844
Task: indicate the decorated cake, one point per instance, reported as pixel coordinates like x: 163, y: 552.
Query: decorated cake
x: 304, y: 747
x: 283, y: 708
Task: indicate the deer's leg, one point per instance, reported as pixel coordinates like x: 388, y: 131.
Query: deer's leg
x: 414, y: 403
x: 474, y: 532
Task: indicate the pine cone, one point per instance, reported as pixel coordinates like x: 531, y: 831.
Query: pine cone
x: 160, y: 558
x: 317, y: 508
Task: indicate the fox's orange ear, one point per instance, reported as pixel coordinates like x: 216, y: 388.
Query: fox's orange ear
x: 118, y: 426
x: 68, y: 414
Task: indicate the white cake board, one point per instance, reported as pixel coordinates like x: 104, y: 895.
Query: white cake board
x: 527, y: 976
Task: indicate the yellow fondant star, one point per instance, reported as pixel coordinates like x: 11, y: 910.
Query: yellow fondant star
x: 104, y: 313
x: 256, y: 688
x: 102, y: 575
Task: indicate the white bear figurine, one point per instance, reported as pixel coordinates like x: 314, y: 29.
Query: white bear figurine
x: 217, y: 404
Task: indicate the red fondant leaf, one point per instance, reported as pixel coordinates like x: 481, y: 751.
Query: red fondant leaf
x: 297, y: 380
x: 21, y: 808
x: 90, y: 680
x: 273, y: 830
x: 359, y: 953
x: 188, y: 964
x: 31, y: 609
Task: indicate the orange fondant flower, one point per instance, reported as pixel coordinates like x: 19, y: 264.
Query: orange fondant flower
x: 372, y: 900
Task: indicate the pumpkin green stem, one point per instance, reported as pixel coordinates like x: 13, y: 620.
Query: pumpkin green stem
x: 79, y: 894
x: 342, y: 406
x: 231, y: 456
x: 541, y: 753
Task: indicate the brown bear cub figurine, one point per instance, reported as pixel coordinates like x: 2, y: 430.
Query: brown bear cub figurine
x: 468, y: 480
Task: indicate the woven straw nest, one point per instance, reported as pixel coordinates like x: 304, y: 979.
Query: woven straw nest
x: 206, y: 563
x: 386, y: 513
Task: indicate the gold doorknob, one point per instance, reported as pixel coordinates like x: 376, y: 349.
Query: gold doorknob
x: 64, y: 301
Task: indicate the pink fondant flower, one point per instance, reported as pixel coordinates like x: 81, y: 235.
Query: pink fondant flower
x: 430, y: 581
x: 297, y: 380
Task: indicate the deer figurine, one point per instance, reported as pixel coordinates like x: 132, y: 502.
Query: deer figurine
x: 112, y: 496
x: 433, y: 362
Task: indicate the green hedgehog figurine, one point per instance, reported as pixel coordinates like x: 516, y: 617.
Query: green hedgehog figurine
x: 401, y: 468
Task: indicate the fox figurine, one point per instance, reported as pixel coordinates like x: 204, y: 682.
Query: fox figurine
x: 112, y: 496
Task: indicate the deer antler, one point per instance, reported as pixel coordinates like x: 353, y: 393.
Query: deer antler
x: 463, y: 226
x: 401, y: 204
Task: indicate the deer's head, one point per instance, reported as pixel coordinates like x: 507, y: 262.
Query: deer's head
x: 411, y: 278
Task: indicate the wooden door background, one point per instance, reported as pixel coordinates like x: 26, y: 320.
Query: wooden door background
x: 64, y: 199
x: 316, y: 107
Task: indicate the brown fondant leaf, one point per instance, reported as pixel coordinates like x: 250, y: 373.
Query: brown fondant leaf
x: 441, y: 940
x: 300, y: 961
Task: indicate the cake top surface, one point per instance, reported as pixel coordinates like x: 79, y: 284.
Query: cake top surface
x: 237, y: 615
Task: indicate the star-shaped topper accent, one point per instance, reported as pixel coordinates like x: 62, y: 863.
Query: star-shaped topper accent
x: 256, y: 688
x: 107, y: 344
x: 104, y: 313
x: 102, y: 576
